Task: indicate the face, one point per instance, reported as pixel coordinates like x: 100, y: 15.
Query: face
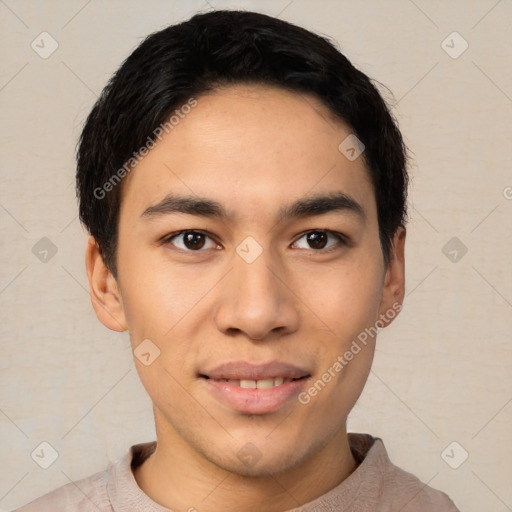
x: 249, y: 257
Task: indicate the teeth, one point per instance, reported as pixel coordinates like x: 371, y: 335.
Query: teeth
x: 248, y: 384
x: 257, y: 384
x: 265, y: 383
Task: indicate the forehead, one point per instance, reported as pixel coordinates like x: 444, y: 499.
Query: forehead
x: 250, y: 146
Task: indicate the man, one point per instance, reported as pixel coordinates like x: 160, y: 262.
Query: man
x: 245, y: 191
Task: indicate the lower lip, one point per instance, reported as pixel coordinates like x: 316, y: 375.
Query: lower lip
x: 254, y: 401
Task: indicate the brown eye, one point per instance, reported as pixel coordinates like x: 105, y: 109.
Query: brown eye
x: 320, y: 240
x: 317, y: 239
x: 191, y: 240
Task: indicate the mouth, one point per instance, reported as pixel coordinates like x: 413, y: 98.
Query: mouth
x: 254, y: 388
x: 257, y: 384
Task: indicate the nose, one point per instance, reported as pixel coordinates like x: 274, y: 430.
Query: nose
x: 257, y: 301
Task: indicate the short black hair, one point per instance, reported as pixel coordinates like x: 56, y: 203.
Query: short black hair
x: 221, y: 48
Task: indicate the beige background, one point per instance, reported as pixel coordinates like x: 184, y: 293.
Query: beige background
x: 442, y: 371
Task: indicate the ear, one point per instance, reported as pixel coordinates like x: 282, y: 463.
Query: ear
x: 394, y: 281
x: 105, y: 294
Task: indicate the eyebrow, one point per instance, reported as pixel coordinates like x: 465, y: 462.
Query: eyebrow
x: 304, y: 207
x: 320, y: 205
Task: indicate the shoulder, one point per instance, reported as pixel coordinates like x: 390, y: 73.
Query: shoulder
x: 413, y: 495
x: 86, y: 494
x: 105, y: 491
x: 403, y: 491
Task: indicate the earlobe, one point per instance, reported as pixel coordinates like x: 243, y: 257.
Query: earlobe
x: 105, y: 295
x: 394, y: 281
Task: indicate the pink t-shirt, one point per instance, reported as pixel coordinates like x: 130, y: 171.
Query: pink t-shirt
x: 377, y: 485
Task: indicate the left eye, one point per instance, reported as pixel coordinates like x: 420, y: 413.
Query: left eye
x: 318, y: 240
x: 192, y: 241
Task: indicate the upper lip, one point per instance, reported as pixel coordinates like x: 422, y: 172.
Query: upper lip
x: 242, y: 370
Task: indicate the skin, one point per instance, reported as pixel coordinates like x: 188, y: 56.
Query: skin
x: 254, y: 150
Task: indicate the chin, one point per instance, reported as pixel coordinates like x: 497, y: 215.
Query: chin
x: 249, y: 461
x: 262, y: 469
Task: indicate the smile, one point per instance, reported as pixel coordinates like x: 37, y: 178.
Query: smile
x: 251, y: 388
x: 257, y: 384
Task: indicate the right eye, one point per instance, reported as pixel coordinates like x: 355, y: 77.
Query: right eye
x: 191, y: 240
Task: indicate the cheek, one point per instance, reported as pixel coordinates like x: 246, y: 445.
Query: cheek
x: 168, y: 306
x: 346, y: 299
x: 155, y: 295
x: 350, y: 309
x: 349, y: 306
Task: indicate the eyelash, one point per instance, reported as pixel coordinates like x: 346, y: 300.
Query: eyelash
x: 342, y: 239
